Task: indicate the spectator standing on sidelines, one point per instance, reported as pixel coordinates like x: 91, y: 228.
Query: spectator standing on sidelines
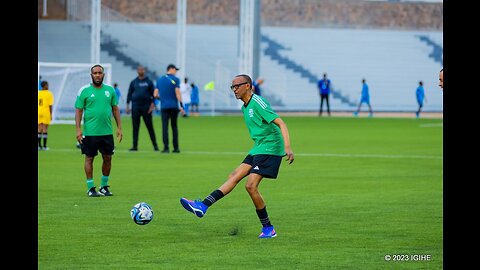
x: 95, y: 103
x: 440, y: 79
x: 186, y: 91
x: 324, y: 91
x: 420, y: 93
x: 45, y: 103
x: 168, y: 90
x: 140, y: 94
x: 119, y: 95
x: 194, y: 98
x: 256, y: 86
x: 365, y: 98
x: 271, y: 143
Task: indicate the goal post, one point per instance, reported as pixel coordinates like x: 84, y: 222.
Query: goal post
x: 65, y: 80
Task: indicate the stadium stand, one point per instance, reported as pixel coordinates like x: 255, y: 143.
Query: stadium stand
x: 291, y: 60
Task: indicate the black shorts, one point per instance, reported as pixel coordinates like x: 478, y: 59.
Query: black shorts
x: 265, y: 165
x: 92, y: 144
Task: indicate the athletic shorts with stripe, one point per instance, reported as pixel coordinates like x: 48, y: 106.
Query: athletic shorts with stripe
x: 92, y: 144
x: 265, y: 165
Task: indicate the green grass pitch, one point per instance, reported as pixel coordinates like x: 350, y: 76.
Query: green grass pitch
x: 359, y: 189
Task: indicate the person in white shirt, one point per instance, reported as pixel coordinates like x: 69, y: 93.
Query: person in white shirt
x: 186, y: 91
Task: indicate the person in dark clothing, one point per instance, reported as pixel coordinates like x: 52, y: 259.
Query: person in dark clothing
x: 168, y: 91
x: 140, y: 94
x: 324, y: 88
x: 256, y: 86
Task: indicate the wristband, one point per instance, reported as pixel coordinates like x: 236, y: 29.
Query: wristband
x: 181, y: 105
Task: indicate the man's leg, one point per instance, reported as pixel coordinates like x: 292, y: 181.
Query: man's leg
x: 174, y: 118
x: 107, y: 147
x: 200, y: 208
x: 358, y: 109
x: 321, y: 104
x: 45, y: 136
x: 186, y: 108
x: 136, y: 126
x: 40, y: 131
x: 328, y: 104
x: 106, y: 165
x: 91, y: 192
x: 165, y: 116
x: 251, y: 186
x: 419, y: 109
x: 89, y: 167
x: 147, y: 118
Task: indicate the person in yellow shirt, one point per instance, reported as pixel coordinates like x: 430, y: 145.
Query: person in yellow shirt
x: 45, y: 103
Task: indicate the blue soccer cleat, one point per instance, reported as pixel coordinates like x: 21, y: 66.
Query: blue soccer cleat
x: 268, y: 232
x: 196, y: 207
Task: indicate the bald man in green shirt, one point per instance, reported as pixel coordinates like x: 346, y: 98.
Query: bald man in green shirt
x: 271, y: 143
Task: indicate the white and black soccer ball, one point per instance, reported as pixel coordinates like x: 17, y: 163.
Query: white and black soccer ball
x: 141, y: 213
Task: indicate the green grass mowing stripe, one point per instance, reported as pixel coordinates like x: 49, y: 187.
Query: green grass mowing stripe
x: 331, y: 212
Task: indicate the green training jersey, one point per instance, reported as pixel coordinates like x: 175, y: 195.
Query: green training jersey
x: 259, y: 116
x: 96, y: 104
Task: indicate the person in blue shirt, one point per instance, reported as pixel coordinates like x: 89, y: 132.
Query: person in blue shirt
x: 256, y: 86
x: 420, y: 93
x: 365, y: 98
x: 40, y: 83
x: 118, y: 93
x: 324, y: 90
x: 168, y: 91
x: 195, y: 98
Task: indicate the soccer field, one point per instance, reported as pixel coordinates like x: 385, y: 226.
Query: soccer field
x: 359, y: 189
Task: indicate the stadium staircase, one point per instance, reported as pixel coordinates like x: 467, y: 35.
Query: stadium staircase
x: 272, y: 51
x: 437, y: 53
x: 113, y: 47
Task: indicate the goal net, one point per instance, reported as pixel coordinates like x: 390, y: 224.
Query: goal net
x: 64, y: 80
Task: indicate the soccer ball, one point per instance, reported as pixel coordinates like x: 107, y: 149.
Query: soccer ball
x: 141, y: 213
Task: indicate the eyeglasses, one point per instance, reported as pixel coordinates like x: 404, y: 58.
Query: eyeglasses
x: 236, y: 86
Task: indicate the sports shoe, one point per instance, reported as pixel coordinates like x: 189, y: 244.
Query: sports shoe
x: 165, y: 151
x: 133, y: 149
x: 93, y: 193
x: 105, y: 191
x: 268, y: 232
x: 197, y: 207
x: 176, y: 151
x: 155, y: 148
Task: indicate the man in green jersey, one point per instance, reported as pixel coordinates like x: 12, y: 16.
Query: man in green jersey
x: 95, y: 103
x: 271, y: 143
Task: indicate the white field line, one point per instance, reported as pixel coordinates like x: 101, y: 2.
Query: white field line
x: 296, y: 154
x: 432, y: 125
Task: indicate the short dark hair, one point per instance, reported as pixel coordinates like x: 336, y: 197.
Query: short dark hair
x: 97, y: 65
x: 43, y: 83
x: 246, y: 77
